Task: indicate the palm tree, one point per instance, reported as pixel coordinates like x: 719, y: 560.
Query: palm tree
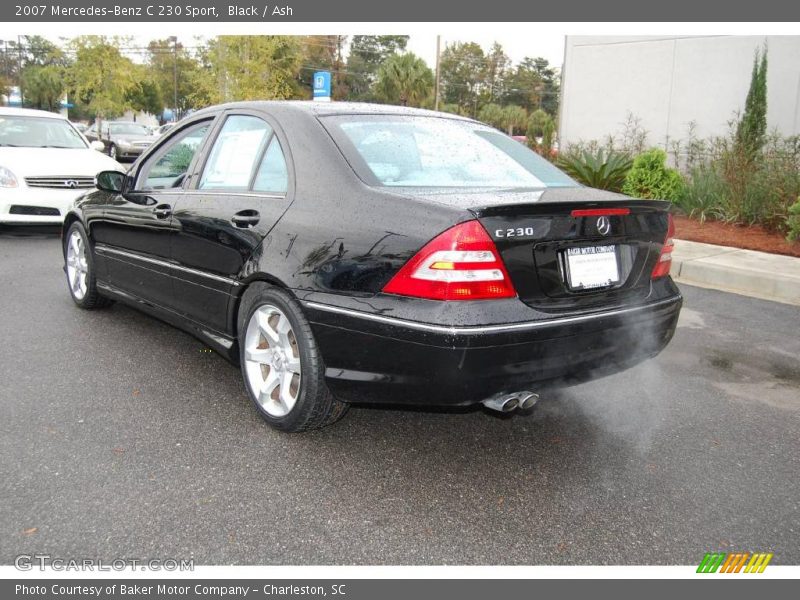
x: 404, y: 79
x: 514, y: 117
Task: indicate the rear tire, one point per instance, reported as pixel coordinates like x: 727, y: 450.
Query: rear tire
x: 79, y: 268
x: 281, y: 363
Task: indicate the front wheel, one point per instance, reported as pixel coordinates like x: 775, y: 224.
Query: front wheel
x: 79, y: 268
x: 112, y: 151
x: 281, y: 363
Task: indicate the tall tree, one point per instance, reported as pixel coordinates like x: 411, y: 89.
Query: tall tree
x: 44, y: 86
x: 367, y: 54
x: 101, y: 77
x: 462, y: 69
x: 251, y: 67
x: 146, y: 96
x: 404, y: 79
x: 175, y: 72
x: 495, y: 73
x: 752, y: 127
x: 533, y: 84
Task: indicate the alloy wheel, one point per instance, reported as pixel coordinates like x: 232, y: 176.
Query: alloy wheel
x: 272, y: 360
x: 77, y: 265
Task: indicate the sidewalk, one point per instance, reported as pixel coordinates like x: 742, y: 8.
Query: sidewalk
x: 746, y: 272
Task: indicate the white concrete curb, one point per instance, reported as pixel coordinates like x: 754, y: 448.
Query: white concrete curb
x: 746, y: 272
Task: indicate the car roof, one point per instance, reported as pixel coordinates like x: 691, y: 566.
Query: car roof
x: 333, y: 108
x: 29, y: 112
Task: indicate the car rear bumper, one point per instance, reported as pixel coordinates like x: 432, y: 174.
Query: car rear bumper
x: 373, y: 358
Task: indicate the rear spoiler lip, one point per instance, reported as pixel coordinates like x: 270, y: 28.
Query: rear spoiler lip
x: 564, y: 208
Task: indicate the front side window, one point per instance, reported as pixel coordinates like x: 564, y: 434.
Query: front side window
x: 235, y: 154
x: 438, y: 152
x: 168, y: 168
x: 38, y: 132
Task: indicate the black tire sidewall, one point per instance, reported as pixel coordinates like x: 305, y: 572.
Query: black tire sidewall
x: 312, y: 369
x: 88, y: 297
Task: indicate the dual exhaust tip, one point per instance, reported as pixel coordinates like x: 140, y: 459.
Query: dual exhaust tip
x: 506, y: 403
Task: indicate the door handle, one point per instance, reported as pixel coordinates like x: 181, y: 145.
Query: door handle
x: 246, y: 218
x: 162, y: 211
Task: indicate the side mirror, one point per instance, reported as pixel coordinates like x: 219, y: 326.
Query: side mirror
x: 110, y: 181
x: 98, y: 145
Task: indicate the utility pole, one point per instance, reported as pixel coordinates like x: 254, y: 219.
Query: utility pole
x: 174, y: 40
x: 438, y: 42
x: 19, y: 71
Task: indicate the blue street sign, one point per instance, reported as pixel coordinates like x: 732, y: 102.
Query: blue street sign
x: 322, y: 86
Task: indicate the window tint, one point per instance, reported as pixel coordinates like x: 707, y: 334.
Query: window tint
x: 169, y: 167
x: 272, y: 175
x: 235, y: 152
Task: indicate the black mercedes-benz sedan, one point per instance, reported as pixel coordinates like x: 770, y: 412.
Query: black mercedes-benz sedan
x: 348, y: 252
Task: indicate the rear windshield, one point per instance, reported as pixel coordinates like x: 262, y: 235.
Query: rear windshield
x: 404, y: 151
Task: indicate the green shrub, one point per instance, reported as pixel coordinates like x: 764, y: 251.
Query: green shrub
x: 793, y: 222
x: 597, y: 169
x: 704, y: 194
x: 651, y: 178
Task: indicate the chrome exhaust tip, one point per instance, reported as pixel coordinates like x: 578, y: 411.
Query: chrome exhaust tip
x: 507, y: 402
x: 527, y: 400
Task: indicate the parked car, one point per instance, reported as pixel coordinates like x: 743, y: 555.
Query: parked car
x: 125, y: 140
x: 348, y: 252
x: 82, y: 127
x: 44, y: 164
x: 164, y: 129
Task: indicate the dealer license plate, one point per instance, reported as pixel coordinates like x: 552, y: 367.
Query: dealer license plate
x: 592, y: 267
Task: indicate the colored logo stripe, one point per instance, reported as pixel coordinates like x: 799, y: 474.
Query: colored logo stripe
x: 733, y: 563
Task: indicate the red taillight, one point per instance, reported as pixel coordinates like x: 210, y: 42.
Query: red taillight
x: 461, y: 263
x: 600, y: 212
x: 665, y: 258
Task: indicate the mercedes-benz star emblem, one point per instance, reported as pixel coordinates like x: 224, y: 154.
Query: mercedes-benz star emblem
x: 603, y: 225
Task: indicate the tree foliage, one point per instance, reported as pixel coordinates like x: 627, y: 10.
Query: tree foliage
x: 404, y: 79
x: 752, y: 128
x: 250, y: 67
x: 44, y: 86
x: 101, y: 77
x: 367, y: 54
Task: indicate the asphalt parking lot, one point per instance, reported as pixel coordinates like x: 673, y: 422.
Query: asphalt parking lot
x: 123, y: 437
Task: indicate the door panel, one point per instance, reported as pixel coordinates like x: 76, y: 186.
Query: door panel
x: 222, y: 221
x: 137, y: 228
x: 135, y: 235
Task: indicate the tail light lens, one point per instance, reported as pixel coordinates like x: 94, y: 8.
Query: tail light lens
x: 665, y: 258
x: 461, y: 263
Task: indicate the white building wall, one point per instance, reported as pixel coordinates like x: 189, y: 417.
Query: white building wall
x: 668, y: 82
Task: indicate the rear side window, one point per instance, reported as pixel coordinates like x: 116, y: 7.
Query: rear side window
x: 272, y: 175
x: 235, y: 154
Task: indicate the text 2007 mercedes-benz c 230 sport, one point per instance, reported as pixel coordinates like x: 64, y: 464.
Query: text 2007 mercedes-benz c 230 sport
x: 349, y: 252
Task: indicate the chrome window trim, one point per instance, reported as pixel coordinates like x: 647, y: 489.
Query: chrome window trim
x: 487, y: 328
x: 102, y: 249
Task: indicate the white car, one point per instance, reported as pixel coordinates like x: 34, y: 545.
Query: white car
x: 45, y: 163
